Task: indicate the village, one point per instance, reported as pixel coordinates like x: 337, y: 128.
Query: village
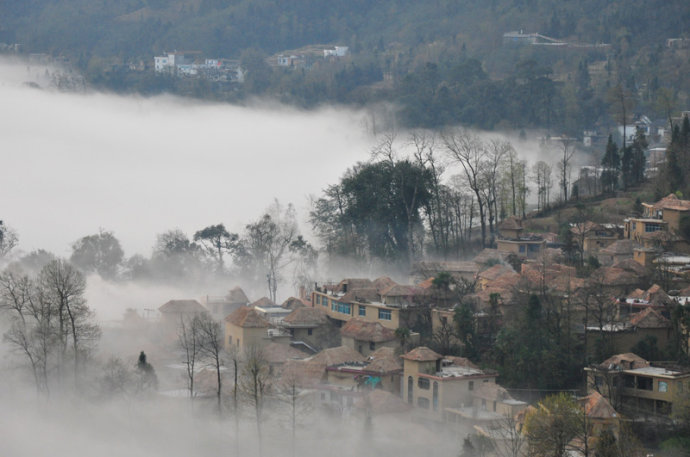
x: 377, y: 347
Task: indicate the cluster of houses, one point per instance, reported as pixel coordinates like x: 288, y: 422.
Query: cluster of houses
x: 191, y: 64
x: 348, y: 344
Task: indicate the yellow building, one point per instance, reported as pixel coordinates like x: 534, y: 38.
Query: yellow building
x: 437, y: 384
x: 245, y: 327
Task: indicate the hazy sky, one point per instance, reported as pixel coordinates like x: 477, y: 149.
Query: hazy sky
x: 72, y: 164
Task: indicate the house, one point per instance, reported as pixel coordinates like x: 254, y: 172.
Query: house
x: 366, y: 337
x: 666, y: 215
x: 312, y: 327
x: 615, y: 252
x: 461, y: 270
x: 638, y: 386
x: 173, y: 311
x: 624, y: 336
x: 380, y: 370
x: 440, y: 386
x: 246, y: 327
x: 511, y: 240
x: 591, y: 237
x: 222, y: 306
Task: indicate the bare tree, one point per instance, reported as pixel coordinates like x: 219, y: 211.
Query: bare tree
x: 568, y: 150
x: 8, y: 239
x: 509, y: 441
x: 211, y: 349
x: 469, y: 151
x: 189, y: 340
x: 254, y: 385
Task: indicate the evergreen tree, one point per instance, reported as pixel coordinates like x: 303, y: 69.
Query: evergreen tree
x: 612, y: 164
x: 638, y: 159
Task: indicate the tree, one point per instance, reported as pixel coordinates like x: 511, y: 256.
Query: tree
x: 211, y: 348
x: 64, y: 286
x: 100, y: 253
x: 637, y: 159
x: 264, y: 249
x: 175, y: 255
x: 552, y: 426
x: 568, y: 150
x: 254, y: 385
x: 509, y: 441
x: 611, y: 164
x: 189, y: 340
x: 8, y: 239
x: 217, y: 241
x: 542, y: 175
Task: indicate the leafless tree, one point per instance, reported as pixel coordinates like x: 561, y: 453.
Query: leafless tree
x: 541, y: 172
x: 211, y: 336
x: 189, y: 340
x: 469, y: 151
x: 509, y: 441
x: 254, y: 385
x: 8, y: 239
x: 567, y: 150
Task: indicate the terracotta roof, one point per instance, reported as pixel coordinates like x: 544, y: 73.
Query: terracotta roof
x: 384, y: 360
x: 237, y: 296
x: 495, y: 271
x: 367, y: 295
x: 611, y: 276
x: 277, y: 353
x: 263, y: 302
x: 293, y: 303
x: 671, y: 201
x: 492, y: 391
x: 619, y: 247
x: 421, y: 354
x: 306, y: 317
x: 597, y: 407
x: 448, y: 267
x: 383, y: 283
x: 311, y: 371
x: 627, y: 361
x: 336, y: 356
x: 362, y: 330
x: 398, y: 290
x: 510, y: 223
x: 247, y: 317
x: 460, y: 361
x: 631, y: 266
x: 650, y: 318
x: 182, y: 307
x: 427, y: 283
x: 355, y: 283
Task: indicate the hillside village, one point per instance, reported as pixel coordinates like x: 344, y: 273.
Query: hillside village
x: 376, y: 346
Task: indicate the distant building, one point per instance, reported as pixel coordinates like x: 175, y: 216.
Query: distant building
x: 337, y: 51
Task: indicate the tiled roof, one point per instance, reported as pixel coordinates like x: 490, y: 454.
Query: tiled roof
x: 627, y: 361
x: 305, y: 317
x: 492, y: 391
x: 597, y: 407
x: 293, y: 303
x: 276, y: 353
x: 384, y: 360
x: 671, y: 201
x: 488, y: 254
x: 398, y: 290
x: 612, y: 276
x: 355, y: 283
x: 631, y: 266
x: 421, y: 354
x: 619, y: 247
x: 496, y: 271
x: 237, y: 296
x: 510, y: 223
x: 367, y: 295
x: 181, y: 307
x: 309, y: 372
x: 383, y: 283
x: 362, y: 330
x: 650, y: 318
x: 263, y: 302
x: 247, y: 317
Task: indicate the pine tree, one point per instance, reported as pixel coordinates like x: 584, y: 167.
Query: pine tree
x: 611, y: 163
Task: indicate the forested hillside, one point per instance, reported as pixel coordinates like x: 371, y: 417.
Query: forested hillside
x: 444, y: 61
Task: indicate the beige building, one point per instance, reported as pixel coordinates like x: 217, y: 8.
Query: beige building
x: 436, y: 385
x: 366, y: 337
x: 245, y: 327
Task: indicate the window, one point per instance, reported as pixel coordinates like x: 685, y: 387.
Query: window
x: 372, y: 346
x: 385, y: 314
x: 644, y: 383
x: 522, y: 248
x: 423, y: 402
x: 318, y: 299
x: 423, y: 383
x: 362, y: 310
x: 470, y: 386
x: 598, y: 381
x: 310, y: 331
x: 663, y: 386
x: 649, y: 228
x: 410, y: 387
x: 343, y: 308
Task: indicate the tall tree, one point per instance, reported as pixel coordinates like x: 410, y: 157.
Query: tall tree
x: 611, y: 163
x: 552, y: 426
x: 217, y: 242
x: 8, y: 239
x: 255, y: 385
x: 99, y: 253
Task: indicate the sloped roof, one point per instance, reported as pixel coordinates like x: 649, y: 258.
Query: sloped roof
x: 460, y: 361
x: 306, y: 317
x: 495, y: 272
x: 366, y: 295
x: 488, y: 254
x: 362, y: 330
x: 448, y: 267
x: 181, y: 307
x: 421, y: 354
x: 510, y: 223
x: 626, y: 361
x: 492, y: 391
x: 309, y: 372
x: 649, y: 318
x: 612, y: 276
x: 631, y: 266
x: 619, y: 247
x: 247, y: 317
x: 263, y: 302
x: 398, y: 290
x: 383, y: 283
x: 597, y: 407
x: 293, y: 303
x: 384, y: 360
x: 671, y: 201
x: 237, y: 296
x: 277, y: 353
x: 355, y: 283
